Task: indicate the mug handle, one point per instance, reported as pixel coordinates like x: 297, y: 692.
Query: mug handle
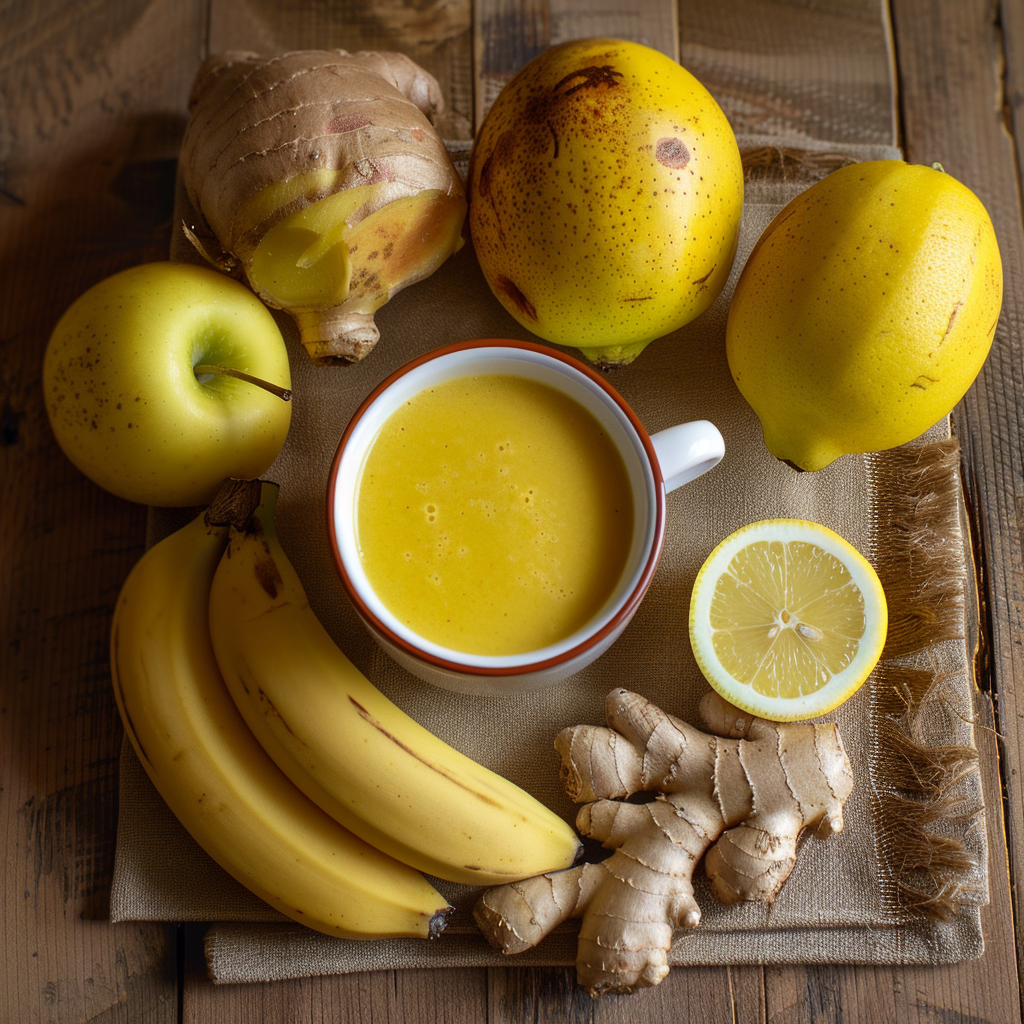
x: 687, y: 451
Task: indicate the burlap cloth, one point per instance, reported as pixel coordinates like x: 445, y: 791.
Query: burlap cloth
x: 905, y: 879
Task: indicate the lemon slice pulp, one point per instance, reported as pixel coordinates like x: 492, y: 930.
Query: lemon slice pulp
x: 787, y: 619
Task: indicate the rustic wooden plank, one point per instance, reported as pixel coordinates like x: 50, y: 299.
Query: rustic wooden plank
x: 378, y: 997
x: 92, y: 106
x: 509, y: 33
x: 951, y: 62
x: 435, y: 34
x: 720, y: 995
x: 822, y: 71
x: 747, y: 994
x: 1009, y: 25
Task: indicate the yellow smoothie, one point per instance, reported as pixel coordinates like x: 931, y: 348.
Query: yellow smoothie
x: 494, y: 515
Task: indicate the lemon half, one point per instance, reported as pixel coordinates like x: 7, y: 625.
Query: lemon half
x: 787, y: 619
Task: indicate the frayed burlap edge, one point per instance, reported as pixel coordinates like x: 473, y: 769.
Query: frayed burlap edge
x: 926, y: 795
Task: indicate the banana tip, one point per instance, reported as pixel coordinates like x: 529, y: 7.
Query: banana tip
x: 439, y: 922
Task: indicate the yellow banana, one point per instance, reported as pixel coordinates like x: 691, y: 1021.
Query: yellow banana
x: 349, y: 748
x: 218, y: 780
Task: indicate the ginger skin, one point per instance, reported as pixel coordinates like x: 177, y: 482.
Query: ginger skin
x: 742, y: 793
x: 321, y: 176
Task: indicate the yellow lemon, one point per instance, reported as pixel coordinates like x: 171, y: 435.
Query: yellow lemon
x: 865, y: 311
x: 787, y: 619
x: 605, y: 195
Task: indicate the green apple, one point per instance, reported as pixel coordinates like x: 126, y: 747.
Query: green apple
x: 138, y: 385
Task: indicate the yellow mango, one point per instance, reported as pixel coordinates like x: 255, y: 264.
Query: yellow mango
x: 605, y: 196
x: 865, y: 311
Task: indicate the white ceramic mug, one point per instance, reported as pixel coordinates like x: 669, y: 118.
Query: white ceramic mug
x: 655, y: 465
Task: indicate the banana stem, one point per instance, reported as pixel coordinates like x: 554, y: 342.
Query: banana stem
x: 234, y: 503
x: 229, y: 371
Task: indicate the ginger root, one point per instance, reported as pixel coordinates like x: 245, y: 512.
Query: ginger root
x: 747, y: 796
x: 320, y: 172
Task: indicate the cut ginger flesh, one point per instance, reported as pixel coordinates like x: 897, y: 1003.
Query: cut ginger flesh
x: 786, y: 617
x: 315, y: 259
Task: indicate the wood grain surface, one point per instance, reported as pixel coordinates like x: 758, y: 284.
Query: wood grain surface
x: 92, y: 105
x: 971, y: 91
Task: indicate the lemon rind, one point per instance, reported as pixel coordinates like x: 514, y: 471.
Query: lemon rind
x: 844, y: 684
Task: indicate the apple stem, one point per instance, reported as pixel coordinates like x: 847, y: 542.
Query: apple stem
x: 283, y: 393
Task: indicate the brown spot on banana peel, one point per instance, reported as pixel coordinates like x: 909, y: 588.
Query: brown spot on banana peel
x: 269, y: 576
x: 265, y: 567
x: 367, y: 717
x: 270, y: 708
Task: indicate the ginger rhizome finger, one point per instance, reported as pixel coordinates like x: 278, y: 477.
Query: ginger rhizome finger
x: 739, y: 796
x: 321, y: 173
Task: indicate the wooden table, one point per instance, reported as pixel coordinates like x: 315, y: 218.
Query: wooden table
x: 92, y: 106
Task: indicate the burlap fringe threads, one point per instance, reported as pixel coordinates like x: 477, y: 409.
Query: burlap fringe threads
x: 926, y: 798
x: 783, y: 163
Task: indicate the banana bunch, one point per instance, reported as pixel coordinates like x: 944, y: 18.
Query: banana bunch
x: 384, y: 798
x: 219, y: 781
x: 350, y: 749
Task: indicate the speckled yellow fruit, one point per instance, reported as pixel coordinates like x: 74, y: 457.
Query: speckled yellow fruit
x: 130, y: 395
x: 865, y: 311
x: 605, y: 197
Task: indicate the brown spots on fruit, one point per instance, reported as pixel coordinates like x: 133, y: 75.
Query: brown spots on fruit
x: 703, y: 281
x: 346, y: 123
x: 509, y: 288
x: 672, y: 152
x: 270, y: 709
x: 364, y: 281
x: 499, y: 155
x: 591, y: 77
x: 949, y: 325
x: 554, y: 136
x: 923, y: 382
x: 268, y: 576
x: 554, y: 104
x: 439, y: 768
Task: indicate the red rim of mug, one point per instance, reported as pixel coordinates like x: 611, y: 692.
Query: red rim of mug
x: 625, y: 609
